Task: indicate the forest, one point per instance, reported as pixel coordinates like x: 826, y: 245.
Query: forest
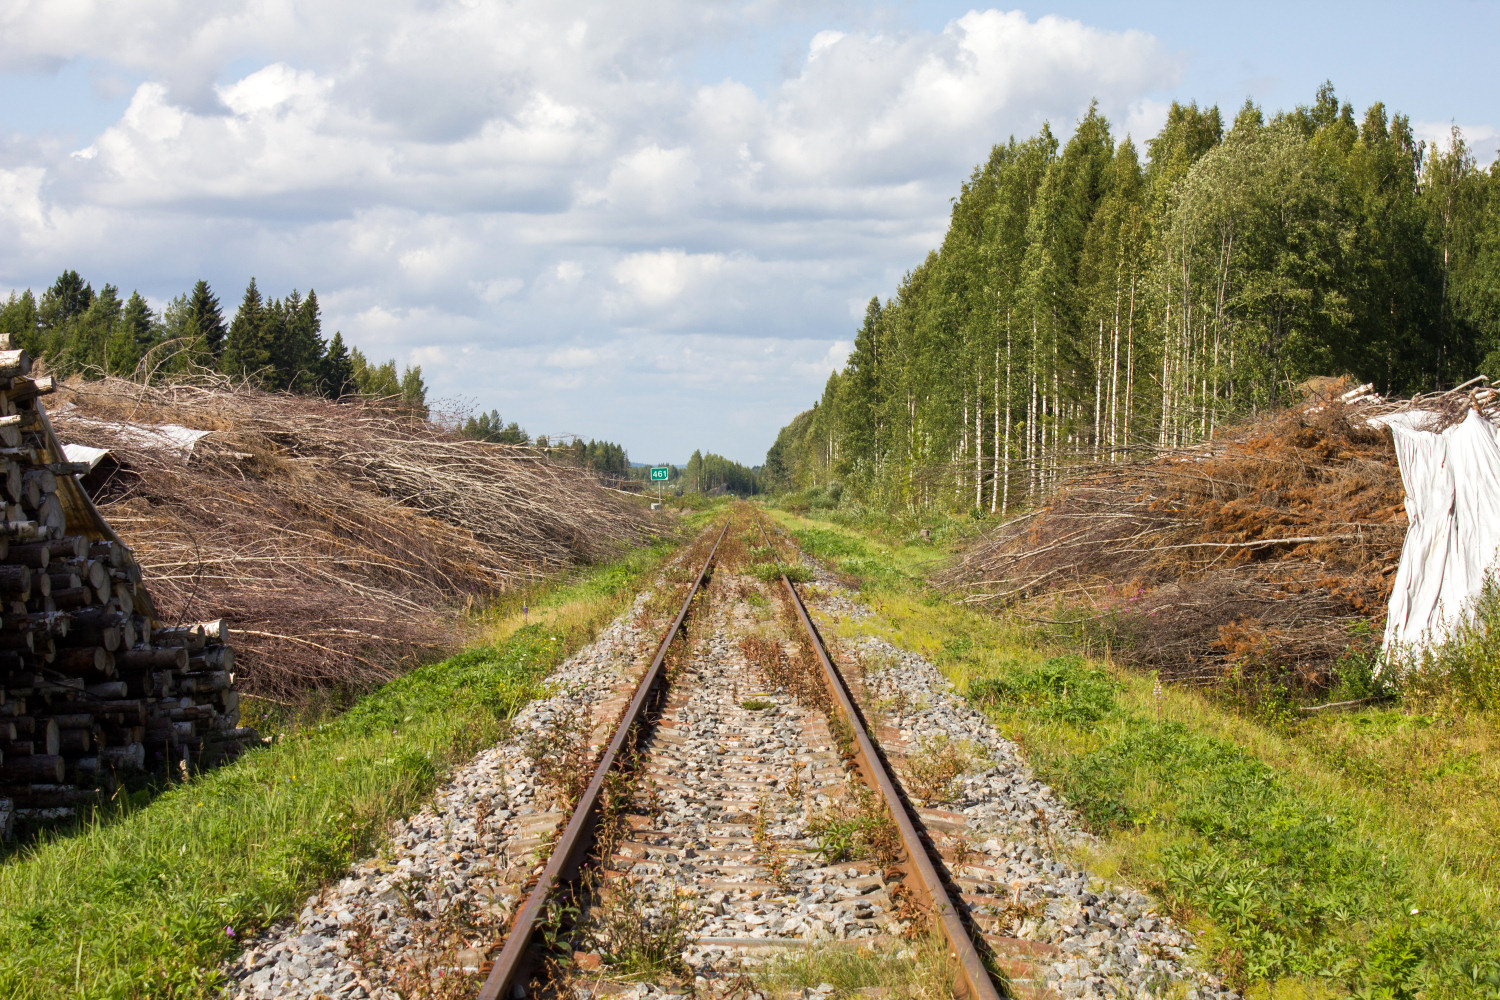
x: 713, y: 473
x: 1091, y: 303
x: 274, y: 343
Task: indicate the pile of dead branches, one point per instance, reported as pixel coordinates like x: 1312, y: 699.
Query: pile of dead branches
x: 1258, y: 552
x: 338, y: 539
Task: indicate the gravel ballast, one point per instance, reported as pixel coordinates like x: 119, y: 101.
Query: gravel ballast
x: 732, y: 780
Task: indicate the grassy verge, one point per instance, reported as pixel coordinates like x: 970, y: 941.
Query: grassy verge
x: 919, y: 969
x: 1344, y: 855
x: 146, y: 901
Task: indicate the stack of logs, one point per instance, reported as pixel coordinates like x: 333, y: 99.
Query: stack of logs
x: 91, y: 685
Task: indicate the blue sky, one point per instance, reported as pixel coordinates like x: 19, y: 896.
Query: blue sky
x: 652, y: 223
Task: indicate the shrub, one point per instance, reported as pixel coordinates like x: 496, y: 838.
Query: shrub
x: 934, y: 772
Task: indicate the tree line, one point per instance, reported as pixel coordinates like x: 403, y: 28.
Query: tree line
x: 712, y: 473
x: 1085, y: 305
x: 274, y: 343
x: 604, y: 457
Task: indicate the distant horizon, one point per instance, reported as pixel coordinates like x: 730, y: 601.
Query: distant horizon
x: 662, y: 230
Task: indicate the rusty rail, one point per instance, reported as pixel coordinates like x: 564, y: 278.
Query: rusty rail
x: 974, y: 980
x: 512, y: 965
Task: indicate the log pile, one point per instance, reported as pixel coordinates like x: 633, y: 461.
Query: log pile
x: 91, y: 683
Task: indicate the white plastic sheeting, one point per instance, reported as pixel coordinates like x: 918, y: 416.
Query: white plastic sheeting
x: 82, y: 453
x: 1452, y: 481
x: 173, y: 438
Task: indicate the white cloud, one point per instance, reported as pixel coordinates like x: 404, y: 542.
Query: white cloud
x: 660, y: 277
x: 496, y: 289
x: 538, y: 188
x: 1483, y: 140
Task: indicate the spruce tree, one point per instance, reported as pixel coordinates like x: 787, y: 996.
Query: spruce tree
x: 88, y: 336
x: 298, y: 345
x: 132, y: 337
x: 18, y: 317
x: 247, y: 350
x: 67, y: 299
x: 414, y: 390
x: 137, y: 322
x: 205, y: 319
x: 336, y: 370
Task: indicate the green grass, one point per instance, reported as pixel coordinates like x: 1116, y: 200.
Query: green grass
x: 1301, y: 849
x: 146, y: 901
x: 772, y: 573
x: 917, y: 969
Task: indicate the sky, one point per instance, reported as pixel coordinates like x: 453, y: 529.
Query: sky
x: 652, y: 223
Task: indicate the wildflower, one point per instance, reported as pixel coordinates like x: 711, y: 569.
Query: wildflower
x: 228, y: 931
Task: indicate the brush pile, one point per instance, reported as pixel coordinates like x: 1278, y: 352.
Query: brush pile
x: 337, y: 540
x: 90, y: 679
x: 1257, y: 554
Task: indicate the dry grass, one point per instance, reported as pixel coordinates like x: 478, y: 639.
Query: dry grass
x: 934, y: 769
x: 339, y: 540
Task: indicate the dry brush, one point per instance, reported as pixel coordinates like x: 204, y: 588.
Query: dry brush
x: 1255, y: 553
x: 339, y: 540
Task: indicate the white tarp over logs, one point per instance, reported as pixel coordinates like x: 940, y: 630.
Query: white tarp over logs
x: 1452, y: 481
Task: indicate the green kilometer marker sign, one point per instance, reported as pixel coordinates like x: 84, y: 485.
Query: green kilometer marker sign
x: 659, y: 474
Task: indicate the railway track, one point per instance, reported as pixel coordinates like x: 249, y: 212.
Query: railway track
x: 746, y: 784
x: 701, y: 800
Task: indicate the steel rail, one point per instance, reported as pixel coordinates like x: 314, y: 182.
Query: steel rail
x: 513, y: 961
x: 974, y: 979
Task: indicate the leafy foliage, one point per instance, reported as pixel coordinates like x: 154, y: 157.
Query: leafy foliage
x: 1464, y: 669
x: 1061, y: 689
x: 1086, y: 305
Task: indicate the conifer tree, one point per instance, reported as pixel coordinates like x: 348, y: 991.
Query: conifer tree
x: 137, y: 322
x: 205, y: 319
x: 414, y: 390
x: 131, y: 338
x: 66, y: 300
x: 18, y: 317
x: 335, y: 370
x: 247, y: 349
x: 298, y: 346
